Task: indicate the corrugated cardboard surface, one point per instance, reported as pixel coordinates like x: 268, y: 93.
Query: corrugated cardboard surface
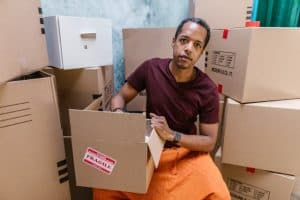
x: 77, y: 192
x: 23, y: 46
x: 263, y: 135
x: 261, y: 185
x: 31, y: 143
x: 121, y: 136
x: 246, y: 184
x: 77, y: 87
x: 222, y: 14
x: 251, y: 67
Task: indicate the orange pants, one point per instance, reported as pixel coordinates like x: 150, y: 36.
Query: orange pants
x: 181, y: 175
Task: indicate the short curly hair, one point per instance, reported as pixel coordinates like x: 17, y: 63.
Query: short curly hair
x: 198, y: 21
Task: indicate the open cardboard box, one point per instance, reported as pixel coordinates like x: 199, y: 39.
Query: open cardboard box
x: 116, y: 151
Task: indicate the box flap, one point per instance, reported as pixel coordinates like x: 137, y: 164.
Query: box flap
x: 109, y: 126
x: 156, y: 145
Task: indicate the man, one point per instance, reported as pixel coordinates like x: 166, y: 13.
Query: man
x: 176, y: 93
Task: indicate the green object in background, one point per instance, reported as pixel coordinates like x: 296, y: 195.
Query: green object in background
x: 278, y: 13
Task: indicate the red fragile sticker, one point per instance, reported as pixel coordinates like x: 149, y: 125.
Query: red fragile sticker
x: 99, y: 161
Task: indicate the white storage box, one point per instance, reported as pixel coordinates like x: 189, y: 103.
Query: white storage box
x: 78, y: 42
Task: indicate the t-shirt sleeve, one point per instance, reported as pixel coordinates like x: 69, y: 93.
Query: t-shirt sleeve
x: 210, y: 111
x: 138, y: 78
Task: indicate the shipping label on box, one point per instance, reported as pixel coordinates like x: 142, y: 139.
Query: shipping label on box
x: 239, y: 190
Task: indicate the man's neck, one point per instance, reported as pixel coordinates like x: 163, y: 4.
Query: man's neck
x: 182, y: 75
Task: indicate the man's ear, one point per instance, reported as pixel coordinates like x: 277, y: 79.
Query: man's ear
x: 173, y: 42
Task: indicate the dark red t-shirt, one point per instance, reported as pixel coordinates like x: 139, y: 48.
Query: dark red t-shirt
x: 180, y: 103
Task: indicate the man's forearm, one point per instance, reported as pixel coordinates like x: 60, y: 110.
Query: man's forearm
x: 197, y: 142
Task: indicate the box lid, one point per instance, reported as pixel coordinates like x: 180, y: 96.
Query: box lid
x: 156, y: 145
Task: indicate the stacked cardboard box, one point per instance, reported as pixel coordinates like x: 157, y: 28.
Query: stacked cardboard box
x: 247, y: 183
x: 31, y: 141
x: 249, y: 67
x: 222, y: 14
x: 21, y: 53
x: 260, y: 133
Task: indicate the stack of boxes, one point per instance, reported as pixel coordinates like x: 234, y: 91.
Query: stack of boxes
x: 257, y: 69
x: 33, y: 162
x: 80, y: 54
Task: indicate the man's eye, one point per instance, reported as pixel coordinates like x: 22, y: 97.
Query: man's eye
x: 197, y: 45
x: 182, y: 40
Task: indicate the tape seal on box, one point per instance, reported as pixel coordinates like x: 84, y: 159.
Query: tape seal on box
x: 225, y: 33
x: 250, y: 170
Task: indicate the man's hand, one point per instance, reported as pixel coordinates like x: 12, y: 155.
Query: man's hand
x: 118, y: 110
x: 159, y: 123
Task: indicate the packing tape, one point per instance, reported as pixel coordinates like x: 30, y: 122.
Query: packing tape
x: 225, y: 33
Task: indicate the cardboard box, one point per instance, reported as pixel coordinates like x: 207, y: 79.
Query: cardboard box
x: 23, y: 44
x: 249, y: 184
x: 261, y: 184
x: 77, y: 192
x: 222, y: 14
x: 111, y: 151
x: 78, y: 42
x: 141, y: 44
x: 77, y: 87
x: 296, y: 191
x: 220, y: 136
x: 263, y: 135
x: 250, y: 67
x: 31, y: 144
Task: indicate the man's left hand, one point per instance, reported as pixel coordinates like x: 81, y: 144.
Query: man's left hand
x: 160, y: 124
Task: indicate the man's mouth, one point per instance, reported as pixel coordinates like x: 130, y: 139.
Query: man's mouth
x: 185, y: 57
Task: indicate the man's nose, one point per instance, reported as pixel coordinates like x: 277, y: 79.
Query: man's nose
x: 188, y: 48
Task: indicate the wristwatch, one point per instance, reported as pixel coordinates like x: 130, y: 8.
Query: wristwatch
x: 177, y: 137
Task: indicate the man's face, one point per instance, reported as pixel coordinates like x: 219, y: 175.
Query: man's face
x: 189, y: 45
